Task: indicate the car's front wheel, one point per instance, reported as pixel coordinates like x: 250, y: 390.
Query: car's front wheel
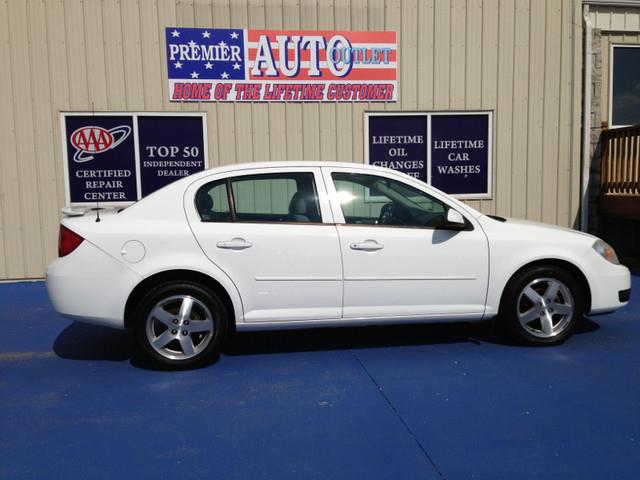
x: 542, y: 305
x: 181, y: 325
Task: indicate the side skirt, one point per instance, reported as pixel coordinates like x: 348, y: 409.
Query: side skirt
x: 351, y: 322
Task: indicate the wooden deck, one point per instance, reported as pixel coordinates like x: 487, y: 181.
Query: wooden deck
x: 620, y: 173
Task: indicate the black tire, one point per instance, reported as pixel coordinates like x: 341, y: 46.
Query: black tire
x: 542, y: 321
x: 182, y: 333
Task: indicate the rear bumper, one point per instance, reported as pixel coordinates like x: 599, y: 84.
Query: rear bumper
x: 90, y: 286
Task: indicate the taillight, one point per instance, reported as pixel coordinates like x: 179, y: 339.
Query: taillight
x: 68, y: 241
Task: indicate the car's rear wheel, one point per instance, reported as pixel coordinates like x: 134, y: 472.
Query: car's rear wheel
x: 542, y: 305
x: 181, y: 325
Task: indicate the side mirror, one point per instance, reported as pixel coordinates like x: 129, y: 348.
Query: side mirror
x: 455, y: 221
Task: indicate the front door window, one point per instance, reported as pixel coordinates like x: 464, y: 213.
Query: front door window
x: 373, y: 200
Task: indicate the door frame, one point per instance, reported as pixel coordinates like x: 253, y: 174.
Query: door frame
x: 193, y: 217
x: 336, y: 208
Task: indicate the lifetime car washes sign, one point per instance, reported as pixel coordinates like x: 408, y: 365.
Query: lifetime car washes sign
x: 451, y: 151
x: 121, y: 157
x: 237, y: 65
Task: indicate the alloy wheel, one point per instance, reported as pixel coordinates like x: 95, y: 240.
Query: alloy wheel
x: 179, y: 327
x: 545, y: 307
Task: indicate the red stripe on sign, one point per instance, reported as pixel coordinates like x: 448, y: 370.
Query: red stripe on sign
x: 364, y: 74
x: 305, y: 55
x: 353, y: 37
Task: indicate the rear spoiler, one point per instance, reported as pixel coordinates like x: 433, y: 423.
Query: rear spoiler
x: 81, y: 212
x: 70, y: 212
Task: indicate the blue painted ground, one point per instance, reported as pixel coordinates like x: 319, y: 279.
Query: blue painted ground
x: 432, y: 402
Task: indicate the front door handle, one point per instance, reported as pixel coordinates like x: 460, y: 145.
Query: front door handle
x: 367, y: 246
x: 235, y: 244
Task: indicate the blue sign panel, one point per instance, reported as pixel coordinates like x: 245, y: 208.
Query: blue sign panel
x: 399, y: 142
x: 170, y: 148
x: 451, y: 151
x: 460, y: 153
x: 205, y: 54
x: 101, y: 164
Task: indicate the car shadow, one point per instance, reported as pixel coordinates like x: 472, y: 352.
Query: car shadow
x: 94, y: 343
x: 353, y: 338
x: 82, y: 341
x: 350, y: 338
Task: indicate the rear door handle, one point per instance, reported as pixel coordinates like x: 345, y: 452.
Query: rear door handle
x: 235, y: 244
x: 367, y: 246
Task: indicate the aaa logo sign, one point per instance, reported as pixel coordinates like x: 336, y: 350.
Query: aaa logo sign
x: 88, y: 140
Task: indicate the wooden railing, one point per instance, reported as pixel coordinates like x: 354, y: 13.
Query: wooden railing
x: 620, y: 172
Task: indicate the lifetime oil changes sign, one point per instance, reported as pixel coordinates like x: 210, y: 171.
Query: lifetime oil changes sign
x: 400, y: 143
x: 118, y: 158
x: 238, y: 65
x: 449, y: 150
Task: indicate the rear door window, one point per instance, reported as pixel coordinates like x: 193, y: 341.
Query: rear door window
x: 212, y: 202
x: 276, y: 197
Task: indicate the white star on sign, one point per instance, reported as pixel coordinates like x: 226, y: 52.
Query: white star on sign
x: 206, y: 34
x: 224, y: 75
x: 222, y: 44
x: 195, y: 74
x: 192, y: 44
x: 234, y: 35
x: 208, y: 65
x: 178, y: 64
x: 236, y: 66
x: 175, y: 33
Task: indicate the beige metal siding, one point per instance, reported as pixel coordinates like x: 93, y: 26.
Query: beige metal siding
x: 519, y: 58
x: 620, y: 19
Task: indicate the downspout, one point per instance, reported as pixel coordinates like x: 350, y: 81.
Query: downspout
x: 586, y: 121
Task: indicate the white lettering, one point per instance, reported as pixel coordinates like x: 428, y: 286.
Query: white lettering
x: 458, y: 169
x: 104, y: 196
x: 283, y: 48
x: 313, y: 43
x: 264, y: 55
x: 384, y: 139
x: 103, y: 173
x: 458, y: 157
x: 457, y: 144
x: 173, y: 49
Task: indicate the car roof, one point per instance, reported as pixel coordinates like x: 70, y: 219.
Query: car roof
x: 237, y: 167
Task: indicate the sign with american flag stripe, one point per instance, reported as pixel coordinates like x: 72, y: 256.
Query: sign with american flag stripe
x: 245, y: 65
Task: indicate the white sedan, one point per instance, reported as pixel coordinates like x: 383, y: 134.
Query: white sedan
x: 300, y: 244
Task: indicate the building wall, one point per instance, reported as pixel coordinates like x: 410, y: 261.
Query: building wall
x: 609, y: 18
x: 612, y: 25
x: 520, y: 58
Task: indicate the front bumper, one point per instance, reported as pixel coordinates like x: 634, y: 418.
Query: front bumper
x: 90, y: 286
x: 607, y: 283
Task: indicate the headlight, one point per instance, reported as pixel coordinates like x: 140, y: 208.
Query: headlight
x: 606, y: 251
